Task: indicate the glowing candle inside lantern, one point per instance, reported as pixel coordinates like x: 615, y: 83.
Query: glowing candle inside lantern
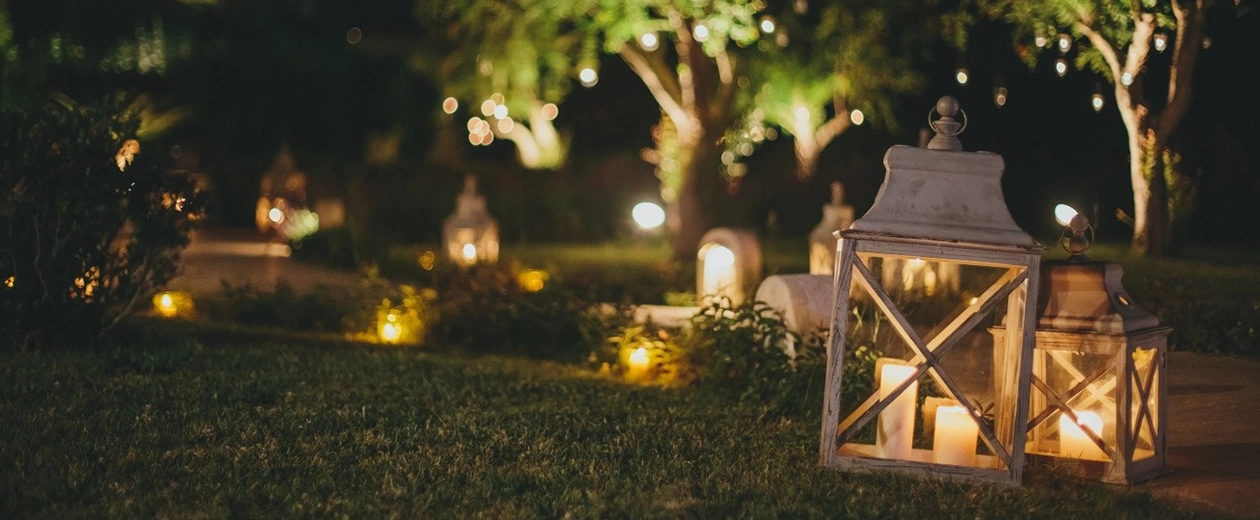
x: 470, y: 252
x: 637, y: 366
x: 1074, y: 442
x: 896, y: 423
x: 719, y: 270
x: 166, y: 305
x: 954, y: 441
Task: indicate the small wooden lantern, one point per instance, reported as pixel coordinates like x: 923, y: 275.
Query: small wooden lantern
x: 944, y: 399
x: 470, y: 235
x: 1099, y: 379
x: 728, y: 264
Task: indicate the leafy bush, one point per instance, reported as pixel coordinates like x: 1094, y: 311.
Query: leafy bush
x: 86, y: 235
x: 320, y: 310
x: 485, y: 310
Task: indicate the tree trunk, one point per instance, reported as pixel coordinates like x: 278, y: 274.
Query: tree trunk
x: 1152, y: 224
x: 700, y: 173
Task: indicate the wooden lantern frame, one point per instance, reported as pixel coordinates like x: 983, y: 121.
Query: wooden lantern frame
x: 1017, y: 286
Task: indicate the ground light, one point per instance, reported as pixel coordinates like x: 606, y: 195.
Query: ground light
x: 648, y: 215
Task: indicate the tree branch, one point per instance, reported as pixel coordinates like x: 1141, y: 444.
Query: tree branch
x: 1189, y: 16
x: 659, y: 80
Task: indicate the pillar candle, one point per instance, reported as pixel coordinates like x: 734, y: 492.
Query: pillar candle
x: 637, y: 365
x: 1073, y: 442
x: 895, y: 437
x: 955, y: 439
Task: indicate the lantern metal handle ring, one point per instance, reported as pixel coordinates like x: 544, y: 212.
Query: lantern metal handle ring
x: 1073, y: 239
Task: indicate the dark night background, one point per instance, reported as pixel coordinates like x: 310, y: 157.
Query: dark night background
x: 255, y: 76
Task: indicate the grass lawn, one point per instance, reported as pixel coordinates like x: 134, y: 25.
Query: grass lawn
x: 213, y: 423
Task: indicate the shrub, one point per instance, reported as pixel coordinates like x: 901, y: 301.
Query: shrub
x: 485, y: 310
x: 86, y: 235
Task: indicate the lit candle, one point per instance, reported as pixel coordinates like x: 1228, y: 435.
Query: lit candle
x: 637, y: 367
x: 391, y: 329
x: 954, y: 441
x: 719, y: 271
x: 1074, y: 442
x: 895, y: 438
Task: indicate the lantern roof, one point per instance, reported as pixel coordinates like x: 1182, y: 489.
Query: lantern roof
x: 943, y: 193
x: 1089, y: 297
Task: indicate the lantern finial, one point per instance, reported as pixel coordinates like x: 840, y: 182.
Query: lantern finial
x: 947, y: 128
x: 1073, y: 238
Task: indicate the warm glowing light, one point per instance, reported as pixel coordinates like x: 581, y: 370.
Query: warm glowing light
x: 961, y: 76
x: 500, y: 111
x: 1064, y: 213
x: 487, y: 107
x: 532, y: 280
x: 649, y: 41
x: 1126, y: 79
x: 550, y: 111
x: 857, y: 117
x: 1065, y: 42
x: 648, y: 215
x: 1074, y: 442
x: 354, y: 35
x: 701, y: 32
x: 450, y: 105
x: 916, y: 263
x: 506, y: 125
x: 719, y: 257
x: 637, y: 365
x: 1097, y: 101
x: 474, y: 139
x: 8, y: 282
x: 487, y: 137
x: 168, y: 304
x: 588, y: 77
x: 428, y: 260
x: 974, y: 300
x: 390, y: 330
x: 469, y: 251
x: 1161, y: 42
x: 473, y: 124
x: 999, y: 97
x: 1040, y: 41
x: 767, y: 25
x: 276, y: 215
x: 1060, y: 67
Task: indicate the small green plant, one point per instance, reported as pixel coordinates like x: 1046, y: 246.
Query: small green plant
x: 484, y: 309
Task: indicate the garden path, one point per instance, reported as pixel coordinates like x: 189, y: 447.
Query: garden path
x: 241, y: 257
x: 1213, y: 434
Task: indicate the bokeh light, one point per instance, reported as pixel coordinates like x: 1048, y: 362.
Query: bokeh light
x: 1064, y: 213
x: 648, y: 215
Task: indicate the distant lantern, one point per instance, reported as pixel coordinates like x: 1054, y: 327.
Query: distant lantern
x: 728, y: 265
x: 944, y: 399
x: 470, y: 235
x: 837, y: 216
x: 1099, y: 381
x: 169, y: 304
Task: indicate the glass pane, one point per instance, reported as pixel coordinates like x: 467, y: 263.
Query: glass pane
x: 1144, y: 363
x: 1082, y: 375
x: 927, y: 420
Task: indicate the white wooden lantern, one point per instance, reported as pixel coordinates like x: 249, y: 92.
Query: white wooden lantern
x: 470, y: 235
x: 944, y: 399
x: 728, y: 264
x: 1099, y: 379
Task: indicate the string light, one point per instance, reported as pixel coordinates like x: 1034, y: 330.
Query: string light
x: 550, y: 111
x: 1126, y: 79
x: 701, y: 32
x: 1040, y: 41
x: 588, y: 77
x: 1060, y: 67
x: 1065, y: 42
x: 450, y: 105
x: 961, y: 75
x: 857, y: 117
x: 487, y: 107
x: 1161, y: 41
x: 767, y: 24
x: 1097, y: 101
x: 999, y: 97
x: 649, y: 41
